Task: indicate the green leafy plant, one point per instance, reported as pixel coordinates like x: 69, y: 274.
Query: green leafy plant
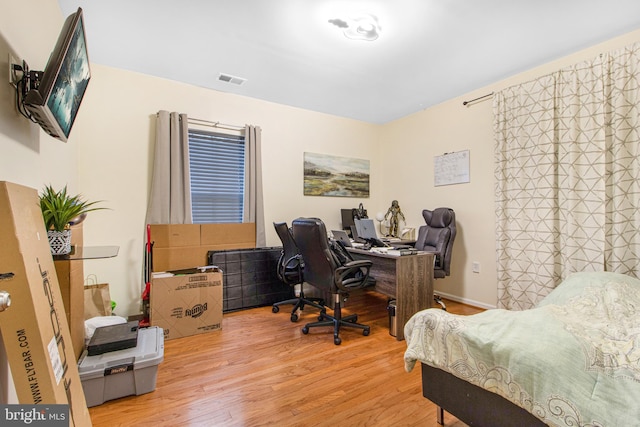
x: 59, y: 208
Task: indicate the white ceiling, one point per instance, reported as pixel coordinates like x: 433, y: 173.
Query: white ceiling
x: 428, y: 51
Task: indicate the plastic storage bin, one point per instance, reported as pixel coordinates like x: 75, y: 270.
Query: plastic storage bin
x: 120, y: 373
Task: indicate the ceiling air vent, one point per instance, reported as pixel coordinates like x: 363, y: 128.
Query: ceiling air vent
x: 231, y: 79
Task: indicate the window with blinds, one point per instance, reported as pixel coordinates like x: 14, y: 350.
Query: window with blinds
x: 217, y: 177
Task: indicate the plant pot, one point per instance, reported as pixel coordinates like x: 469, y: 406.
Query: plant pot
x: 60, y: 241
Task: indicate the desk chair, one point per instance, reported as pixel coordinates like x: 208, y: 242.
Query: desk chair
x: 290, y: 271
x: 437, y: 236
x: 325, y: 271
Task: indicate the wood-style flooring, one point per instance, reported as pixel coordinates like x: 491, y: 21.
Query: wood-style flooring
x: 261, y: 370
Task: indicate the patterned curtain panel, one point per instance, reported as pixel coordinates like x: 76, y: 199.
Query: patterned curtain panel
x: 567, y: 170
x: 622, y: 228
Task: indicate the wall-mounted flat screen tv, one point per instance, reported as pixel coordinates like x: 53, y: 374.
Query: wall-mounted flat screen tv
x: 53, y: 101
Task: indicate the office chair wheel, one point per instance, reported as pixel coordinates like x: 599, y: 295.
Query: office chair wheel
x: 294, y: 317
x: 366, y: 332
x: 337, y: 340
x: 305, y: 330
x: 438, y: 299
x: 275, y: 309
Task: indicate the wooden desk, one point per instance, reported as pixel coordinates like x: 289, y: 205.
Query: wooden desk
x: 408, y: 279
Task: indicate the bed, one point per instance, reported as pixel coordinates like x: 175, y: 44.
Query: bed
x: 573, y: 360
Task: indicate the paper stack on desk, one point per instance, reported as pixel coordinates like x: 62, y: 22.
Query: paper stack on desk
x: 402, y: 251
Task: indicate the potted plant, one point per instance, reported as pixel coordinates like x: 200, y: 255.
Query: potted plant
x: 60, y: 211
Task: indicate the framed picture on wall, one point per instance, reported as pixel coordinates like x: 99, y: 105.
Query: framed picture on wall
x: 326, y: 175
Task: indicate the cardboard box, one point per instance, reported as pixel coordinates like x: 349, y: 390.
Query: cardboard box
x: 175, y: 235
x: 179, y: 258
x: 34, y: 328
x: 71, y: 280
x: 187, y: 304
x: 180, y: 246
x: 228, y: 236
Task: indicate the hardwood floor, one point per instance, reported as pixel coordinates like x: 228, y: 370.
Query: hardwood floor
x: 261, y: 370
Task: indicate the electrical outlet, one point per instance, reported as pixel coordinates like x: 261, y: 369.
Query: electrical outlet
x: 14, y: 75
x: 475, y: 267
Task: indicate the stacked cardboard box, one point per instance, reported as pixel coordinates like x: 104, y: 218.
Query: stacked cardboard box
x: 34, y: 328
x: 187, y: 304
x: 70, y: 275
x: 178, y: 246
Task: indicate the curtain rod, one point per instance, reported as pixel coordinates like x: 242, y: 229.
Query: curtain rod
x: 209, y: 123
x: 478, y: 99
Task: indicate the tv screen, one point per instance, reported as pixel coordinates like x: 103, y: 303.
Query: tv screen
x: 53, y: 102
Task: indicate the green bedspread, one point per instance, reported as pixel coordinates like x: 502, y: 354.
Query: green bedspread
x: 573, y: 360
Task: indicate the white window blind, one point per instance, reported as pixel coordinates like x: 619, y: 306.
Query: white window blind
x: 217, y: 176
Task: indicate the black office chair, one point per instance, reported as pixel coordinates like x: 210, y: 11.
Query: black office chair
x: 325, y: 271
x: 437, y: 236
x: 290, y: 272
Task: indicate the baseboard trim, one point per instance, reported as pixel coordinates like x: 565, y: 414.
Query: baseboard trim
x: 466, y: 301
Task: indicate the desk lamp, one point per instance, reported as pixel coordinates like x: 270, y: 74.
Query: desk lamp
x: 380, y: 218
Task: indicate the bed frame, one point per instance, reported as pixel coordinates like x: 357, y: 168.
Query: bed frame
x: 470, y: 403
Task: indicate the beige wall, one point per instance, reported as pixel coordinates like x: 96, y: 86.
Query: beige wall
x: 27, y: 156
x: 108, y: 157
x: 413, y: 141
x: 116, y: 134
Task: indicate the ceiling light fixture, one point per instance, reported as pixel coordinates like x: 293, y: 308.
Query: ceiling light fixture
x: 363, y: 27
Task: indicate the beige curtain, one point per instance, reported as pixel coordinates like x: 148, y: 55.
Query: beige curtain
x: 253, y: 201
x: 170, y: 200
x: 622, y: 154
x: 567, y: 170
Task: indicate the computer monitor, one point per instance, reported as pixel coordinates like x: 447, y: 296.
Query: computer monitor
x: 347, y: 218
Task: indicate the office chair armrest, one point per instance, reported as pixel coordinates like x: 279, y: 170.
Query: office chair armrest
x: 290, y: 271
x: 346, y: 277
x: 294, y: 262
x: 357, y: 263
x: 437, y: 259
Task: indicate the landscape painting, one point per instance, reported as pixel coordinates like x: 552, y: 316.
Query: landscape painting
x: 326, y: 175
